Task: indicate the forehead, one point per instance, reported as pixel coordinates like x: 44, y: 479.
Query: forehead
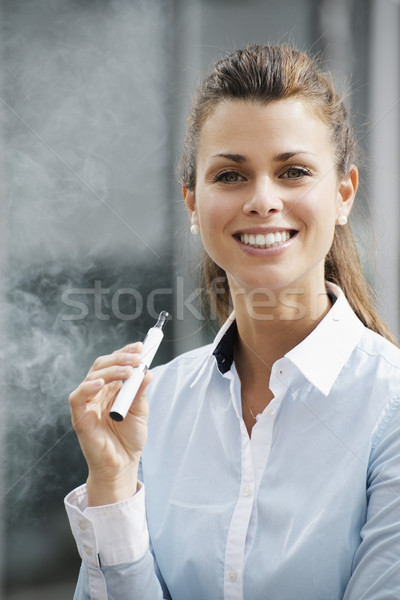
x: 279, y: 126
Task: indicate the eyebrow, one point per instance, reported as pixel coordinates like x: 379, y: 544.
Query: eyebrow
x: 282, y: 157
x: 237, y: 158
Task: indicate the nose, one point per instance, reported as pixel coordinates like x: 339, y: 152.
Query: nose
x: 264, y: 198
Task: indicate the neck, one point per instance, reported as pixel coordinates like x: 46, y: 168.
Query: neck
x: 272, y: 323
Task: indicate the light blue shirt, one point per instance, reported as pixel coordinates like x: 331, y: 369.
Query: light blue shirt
x: 308, y: 508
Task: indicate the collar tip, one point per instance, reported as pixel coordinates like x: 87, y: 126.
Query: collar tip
x: 325, y: 389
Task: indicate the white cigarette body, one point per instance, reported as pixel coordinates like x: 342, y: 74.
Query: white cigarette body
x: 127, y: 393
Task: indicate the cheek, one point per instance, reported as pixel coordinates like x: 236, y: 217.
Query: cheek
x: 318, y: 208
x: 213, y: 210
x: 213, y: 219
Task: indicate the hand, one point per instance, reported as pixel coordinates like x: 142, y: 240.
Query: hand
x: 112, y: 449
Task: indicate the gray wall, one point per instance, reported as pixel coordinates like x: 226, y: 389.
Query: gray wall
x: 93, y: 100
x: 384, y: 152
x: 85, y: 106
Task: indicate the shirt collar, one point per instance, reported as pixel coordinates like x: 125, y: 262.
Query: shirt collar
x: 320, y: 357
x: 323, y: 354
x: 219, y: 349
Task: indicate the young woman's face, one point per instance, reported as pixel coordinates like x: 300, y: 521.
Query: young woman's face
x: 267, y: 194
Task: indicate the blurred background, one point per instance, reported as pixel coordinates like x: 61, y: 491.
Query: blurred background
x: 94, y: 236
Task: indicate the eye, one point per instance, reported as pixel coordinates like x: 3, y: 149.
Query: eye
x: 295, y: 173
x: 229, y: 177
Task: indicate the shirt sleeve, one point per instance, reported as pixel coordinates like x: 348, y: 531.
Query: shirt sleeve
x: 113, y: 542
x: 376, y: 565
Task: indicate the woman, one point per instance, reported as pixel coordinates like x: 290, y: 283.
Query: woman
x: 272, y: 462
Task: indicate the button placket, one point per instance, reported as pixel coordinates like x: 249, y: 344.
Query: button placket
x: 83, y: 525
x: 247, y: 490
x: 238, y: 530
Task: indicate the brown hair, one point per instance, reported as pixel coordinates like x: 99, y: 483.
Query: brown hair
x: 262, y: 74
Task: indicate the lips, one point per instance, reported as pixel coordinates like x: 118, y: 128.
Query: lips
x: 271, y: 239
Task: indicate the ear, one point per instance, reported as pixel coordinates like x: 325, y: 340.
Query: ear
x: 347, y: 192
x: 188, y: 196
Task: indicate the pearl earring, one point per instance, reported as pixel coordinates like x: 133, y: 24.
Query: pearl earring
x: 194, y: 229
x: 342, y: 220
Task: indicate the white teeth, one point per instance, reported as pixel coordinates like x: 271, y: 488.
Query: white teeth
x: 259, y: 240
x: 267, y: 240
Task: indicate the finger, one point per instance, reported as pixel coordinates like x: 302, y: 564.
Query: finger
x: 109, y: 374
x: 133, y: 347
x: 139, y: 405
x: 125, y: 358
x: 116, y: 358
x: 81, y: 395
x: 146, y: 380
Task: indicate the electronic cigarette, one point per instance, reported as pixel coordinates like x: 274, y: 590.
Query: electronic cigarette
x: 129, y: 389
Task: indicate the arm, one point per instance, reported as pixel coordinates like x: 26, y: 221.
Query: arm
x: 134, y: 581
x: 113, y: 543
x: 107, y: 516
x: 376, y: 566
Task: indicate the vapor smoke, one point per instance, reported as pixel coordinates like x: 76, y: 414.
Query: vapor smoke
x: 87, y: 197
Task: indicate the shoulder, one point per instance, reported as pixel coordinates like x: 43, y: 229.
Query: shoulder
x: 182, y: 370
x: 192, y: 359
x: 376, y: 368
x: 379, y: 350
x: 170, y: 395
x: 382, y: 384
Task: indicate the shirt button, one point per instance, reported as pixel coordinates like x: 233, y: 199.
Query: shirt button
x: 88, y: 550
x: 281, y: 372
x: 246, y: 490
x: 271, y: 412
x: 83, y: 525
x: 232, y: 575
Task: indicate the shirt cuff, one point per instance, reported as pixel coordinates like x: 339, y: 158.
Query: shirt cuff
x: 108, y: 535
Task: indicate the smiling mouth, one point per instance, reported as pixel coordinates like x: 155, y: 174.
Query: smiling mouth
x: 265, y: 240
